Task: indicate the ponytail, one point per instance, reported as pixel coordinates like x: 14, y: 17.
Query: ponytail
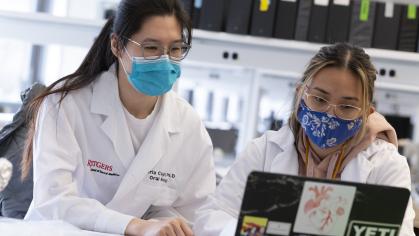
x: 100, y: 56
x: 98, y: 59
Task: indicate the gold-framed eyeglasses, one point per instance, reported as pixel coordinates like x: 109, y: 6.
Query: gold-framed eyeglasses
x: 154, y: 50
x: 343, y: 111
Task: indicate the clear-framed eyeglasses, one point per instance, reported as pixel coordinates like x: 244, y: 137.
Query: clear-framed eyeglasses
x: 154, y: 50
x: 343, y: 111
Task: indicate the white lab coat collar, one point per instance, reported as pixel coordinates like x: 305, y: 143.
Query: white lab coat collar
x: 286, y: 161
x: 106, y: 101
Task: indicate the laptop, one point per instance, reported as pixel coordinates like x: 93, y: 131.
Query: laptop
x: 276, y: 204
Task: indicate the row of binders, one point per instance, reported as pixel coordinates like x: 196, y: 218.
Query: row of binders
x: 362, y: 22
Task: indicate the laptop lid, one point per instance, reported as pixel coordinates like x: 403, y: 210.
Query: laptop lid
x: 276, y: 204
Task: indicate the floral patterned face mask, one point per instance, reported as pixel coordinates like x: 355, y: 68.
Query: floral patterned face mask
x: 325, y: 130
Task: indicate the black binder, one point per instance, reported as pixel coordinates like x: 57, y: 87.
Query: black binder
x: 286, y: 18
x: 362, y: 23
x: 188, y: 6
x: 212, y: 14
x: 338, y: 22
x: 196, y: 13
x: 263, y: 18
x: 303, y: 19
x: 318, y: 23
x: 238, y: 17
x: 408, y: 35
x: 386, y: 28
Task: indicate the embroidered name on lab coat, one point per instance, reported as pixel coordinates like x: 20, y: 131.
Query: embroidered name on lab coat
x: 160, y: 176
x: 100, y: 167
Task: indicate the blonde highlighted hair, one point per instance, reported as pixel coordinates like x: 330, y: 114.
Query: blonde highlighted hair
x: 342, y: 56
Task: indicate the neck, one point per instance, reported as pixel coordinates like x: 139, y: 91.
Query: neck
x: 323, y: 152
x: 137, y: 104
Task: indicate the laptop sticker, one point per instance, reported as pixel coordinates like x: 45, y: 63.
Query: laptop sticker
x: 365, y: 228
x: 253, y: 226
x: 324, y: 208
x: 278, y: 228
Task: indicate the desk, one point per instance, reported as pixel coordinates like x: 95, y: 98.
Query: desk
x: 12, y: 227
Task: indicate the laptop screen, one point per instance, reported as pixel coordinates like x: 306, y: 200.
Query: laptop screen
x: 275, y: 204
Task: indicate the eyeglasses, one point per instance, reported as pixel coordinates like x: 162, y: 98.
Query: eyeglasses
x: 154, y: 50
x: 343, y: 111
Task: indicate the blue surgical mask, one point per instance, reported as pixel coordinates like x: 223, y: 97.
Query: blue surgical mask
x: 153, y: 77
x: 324, y: 130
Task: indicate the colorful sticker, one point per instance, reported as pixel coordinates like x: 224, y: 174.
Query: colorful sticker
x: 365, y: 10
x: 411, y: 12
x: 324, y: 209
x: 253, y: 226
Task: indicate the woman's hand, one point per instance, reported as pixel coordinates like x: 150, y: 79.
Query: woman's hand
x: 170, y: 227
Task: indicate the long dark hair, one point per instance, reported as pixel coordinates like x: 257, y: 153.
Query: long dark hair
x: 130, y: 16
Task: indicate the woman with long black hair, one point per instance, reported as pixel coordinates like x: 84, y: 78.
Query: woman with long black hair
x: 113, y: 150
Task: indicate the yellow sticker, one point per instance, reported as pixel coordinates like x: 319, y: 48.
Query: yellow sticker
x: 264, y: 5
x: 254, y: 225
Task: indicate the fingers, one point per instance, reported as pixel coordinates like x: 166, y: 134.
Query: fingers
x: 185, y: 228
x: 178, y: 229
x: 169, y: 230
x: 173, y: 227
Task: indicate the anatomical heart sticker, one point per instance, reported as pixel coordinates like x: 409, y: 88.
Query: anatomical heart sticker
x: 324, y: 209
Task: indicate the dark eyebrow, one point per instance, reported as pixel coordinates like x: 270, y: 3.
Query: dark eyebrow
x: 327, y: 93
x: 151, y: 40
x: 157, y: 41
x: 351, y: 98
x: 321, y: 90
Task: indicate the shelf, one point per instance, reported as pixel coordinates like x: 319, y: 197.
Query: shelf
x: 257, y: 58
x: 282, y: 56
x: 81, y: 32
x: 399, y: 1
x: 206, y: 37
x: 41, y: 28
x: 397, y: 87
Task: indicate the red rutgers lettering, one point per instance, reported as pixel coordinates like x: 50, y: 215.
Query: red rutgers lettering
x: 98, y: 164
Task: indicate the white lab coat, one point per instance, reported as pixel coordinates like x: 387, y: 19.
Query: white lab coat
x: 85, y: 173
x: 275, y: 152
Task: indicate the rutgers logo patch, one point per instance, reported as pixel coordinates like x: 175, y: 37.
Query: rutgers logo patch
x: 100, y: 167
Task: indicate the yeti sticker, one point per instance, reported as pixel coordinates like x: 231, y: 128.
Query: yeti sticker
x: 363, y: 228
x: 324, y: 209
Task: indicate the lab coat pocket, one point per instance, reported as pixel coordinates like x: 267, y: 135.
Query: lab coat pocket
x: 158, y: 195
x: 165, y: 197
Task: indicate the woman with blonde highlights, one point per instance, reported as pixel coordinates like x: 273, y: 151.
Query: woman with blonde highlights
x: 333, y: 133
